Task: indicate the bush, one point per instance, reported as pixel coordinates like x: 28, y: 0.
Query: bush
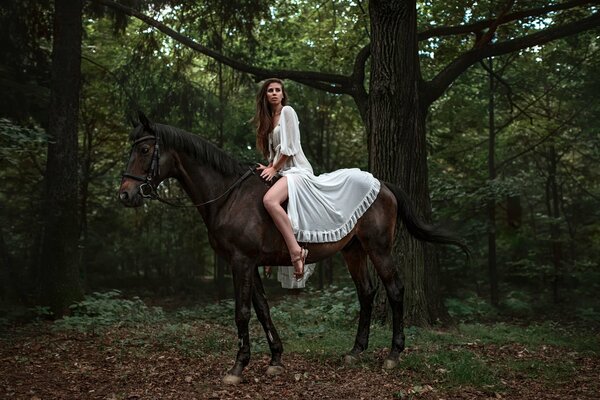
x: 469, y: 308
x: 517, y: 303
x: 102, y: 310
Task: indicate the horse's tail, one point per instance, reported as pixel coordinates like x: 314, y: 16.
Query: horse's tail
x: 421, y: 230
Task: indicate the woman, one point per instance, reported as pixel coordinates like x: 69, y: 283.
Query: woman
x: 321, y: 208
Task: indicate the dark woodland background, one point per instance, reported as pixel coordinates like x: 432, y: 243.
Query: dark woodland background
x: 493, y: 128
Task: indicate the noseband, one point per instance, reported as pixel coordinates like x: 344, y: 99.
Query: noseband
x: 146, y: 189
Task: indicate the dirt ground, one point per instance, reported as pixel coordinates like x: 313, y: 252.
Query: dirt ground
x: 37, y: 364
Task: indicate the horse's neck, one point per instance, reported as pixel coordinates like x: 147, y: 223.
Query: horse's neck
x: 203, y: 184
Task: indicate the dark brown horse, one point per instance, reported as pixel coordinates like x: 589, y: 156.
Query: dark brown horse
x: 229, y: 198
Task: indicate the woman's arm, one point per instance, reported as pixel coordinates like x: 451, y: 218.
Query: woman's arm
x: 290, y: 142
x: 290, y: 132
x: 268, y: 172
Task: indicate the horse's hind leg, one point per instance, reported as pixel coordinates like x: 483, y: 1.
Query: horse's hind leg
x: 259, y: 300
x: 383, y: 262
x: 356, y: 259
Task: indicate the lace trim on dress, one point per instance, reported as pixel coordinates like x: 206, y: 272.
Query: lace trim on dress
x: 339, y: 233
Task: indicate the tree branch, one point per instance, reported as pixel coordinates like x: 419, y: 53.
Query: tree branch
x: 509, y: 92
x: 436, y: 87
x: 332, y: 83
x: 359, y: 93
x: 524, y: 109
x: 532, y: 147
x: 484, y: 24
x: 488, y: 35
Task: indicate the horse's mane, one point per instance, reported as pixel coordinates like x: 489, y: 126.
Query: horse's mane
x: 193, y: 145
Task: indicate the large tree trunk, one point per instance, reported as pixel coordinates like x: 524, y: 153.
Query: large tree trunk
x: 397, y: 143
x: 59, y: 269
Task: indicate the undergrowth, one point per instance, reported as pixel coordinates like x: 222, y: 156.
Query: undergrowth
x: 322, y: 325
x: 99, y: 311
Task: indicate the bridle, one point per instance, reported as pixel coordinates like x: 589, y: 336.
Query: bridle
x: 148, y: 191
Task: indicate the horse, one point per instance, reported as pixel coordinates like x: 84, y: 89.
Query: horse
x: 229, y: 197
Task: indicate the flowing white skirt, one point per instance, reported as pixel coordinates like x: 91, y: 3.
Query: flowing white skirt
x: 325, y: 208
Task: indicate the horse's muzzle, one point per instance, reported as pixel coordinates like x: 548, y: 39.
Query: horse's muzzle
x: 130, y: 197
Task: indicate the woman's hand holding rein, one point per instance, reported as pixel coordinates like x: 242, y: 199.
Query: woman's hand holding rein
x: 270, y: 171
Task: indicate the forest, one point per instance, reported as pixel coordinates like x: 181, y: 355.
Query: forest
x: 486, y: 113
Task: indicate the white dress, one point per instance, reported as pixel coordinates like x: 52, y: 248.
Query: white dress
x: 321, y: 208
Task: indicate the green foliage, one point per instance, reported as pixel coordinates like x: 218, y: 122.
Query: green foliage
x: 321, y: 325
x: 518, y: 303
x: 25, y: 60
x: 536, y: 335
x: 588, y: 314
x: 42, y: 312
x: 102, y: 310
x: 331, y: 307
x: 452, y: 367
x: 554, y: 373
x: 219, y: 311
x: 468, y: 356
x: 468, y: 309
x: 16, y: 141
x: 548, y: 100
x: 323, y: 316
x: 535, y: 145
x: 186, y: 339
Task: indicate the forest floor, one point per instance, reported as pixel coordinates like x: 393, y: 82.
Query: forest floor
x: 165, y: 358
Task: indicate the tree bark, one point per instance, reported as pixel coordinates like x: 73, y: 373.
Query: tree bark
x: 60, y: 275
x: 397, y: 139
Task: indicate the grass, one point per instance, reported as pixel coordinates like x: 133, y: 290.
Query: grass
x: 451, y: 368
x: 322, y: 325
x: 536, y: 335
x: 552, y: 373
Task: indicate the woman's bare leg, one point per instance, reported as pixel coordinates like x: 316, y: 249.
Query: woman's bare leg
x: 272, y: 201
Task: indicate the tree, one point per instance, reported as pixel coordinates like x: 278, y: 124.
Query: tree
x: 26, y: 28
x: 395, y: 107
x: 59, y: 248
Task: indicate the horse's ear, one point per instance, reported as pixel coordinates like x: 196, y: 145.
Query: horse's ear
x: 144, y: 120
x: 133, y: 122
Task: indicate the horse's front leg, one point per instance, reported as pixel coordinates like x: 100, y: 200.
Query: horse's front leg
x: 261, y: 306
x: 243, y: 274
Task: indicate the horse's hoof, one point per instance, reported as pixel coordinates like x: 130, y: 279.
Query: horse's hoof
x: 275, y: 370
x: 389, y: 363
x: 350, y: 359
x: 230, y: 379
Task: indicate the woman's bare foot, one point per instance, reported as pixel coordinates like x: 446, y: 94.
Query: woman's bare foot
x: 299, y: 262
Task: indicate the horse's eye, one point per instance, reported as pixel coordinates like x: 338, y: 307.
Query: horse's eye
x: 145, y: 150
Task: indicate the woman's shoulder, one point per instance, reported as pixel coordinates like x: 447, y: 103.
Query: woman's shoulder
x: 288, y: 111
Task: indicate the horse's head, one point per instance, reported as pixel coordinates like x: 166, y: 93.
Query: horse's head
x: 143, y: 173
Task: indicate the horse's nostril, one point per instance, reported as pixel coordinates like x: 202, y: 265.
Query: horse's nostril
x: 123, y: 196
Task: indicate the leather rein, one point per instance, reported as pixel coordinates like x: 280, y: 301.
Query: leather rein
x: 148, y: 191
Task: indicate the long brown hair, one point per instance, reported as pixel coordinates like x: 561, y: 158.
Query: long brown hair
x: 263, y: 118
